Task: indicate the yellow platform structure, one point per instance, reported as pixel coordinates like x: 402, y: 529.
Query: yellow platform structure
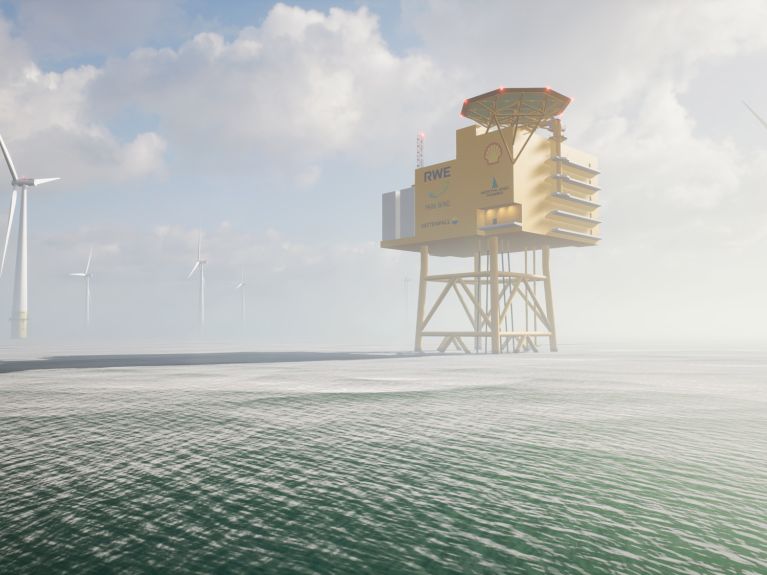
x: 513, y: 187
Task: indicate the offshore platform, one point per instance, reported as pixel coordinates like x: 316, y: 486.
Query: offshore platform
x: 514, y: 191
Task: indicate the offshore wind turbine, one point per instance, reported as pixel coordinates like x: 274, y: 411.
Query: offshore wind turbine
x: 241, y: 287
x: 757, y: 116
x: 20, y: 310
x: 86, y: 275
x: 200, y: 264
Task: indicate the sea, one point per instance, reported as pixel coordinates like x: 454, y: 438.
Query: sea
x: 625, y: 461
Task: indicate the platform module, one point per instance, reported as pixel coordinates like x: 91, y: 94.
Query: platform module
x: 513, y: 187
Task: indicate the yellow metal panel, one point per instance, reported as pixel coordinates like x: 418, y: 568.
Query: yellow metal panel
x: 473, y: 196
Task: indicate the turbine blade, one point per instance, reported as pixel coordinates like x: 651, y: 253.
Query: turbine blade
x: 88, y: 265
x: 757, y: 116
x: 239, y: 285
x: 11, y: 210
x: 41, y: 181
x: 8, y: 160
x: 194, y: 269
x: 78, y: 275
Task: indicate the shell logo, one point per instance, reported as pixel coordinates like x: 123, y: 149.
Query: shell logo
x: 493, y: 153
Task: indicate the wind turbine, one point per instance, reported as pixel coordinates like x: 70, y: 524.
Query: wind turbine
x: 19, y: 314
x: 241, y: 286
x: 87, y: 276
x: 758, y: 117
x: 200, y: 263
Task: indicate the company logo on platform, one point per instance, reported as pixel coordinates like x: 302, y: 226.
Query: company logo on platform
x: 493, y: 153
x: 436, y: 174
x: 440, y: 222
x: 494, y: 189
x: 435, y: 194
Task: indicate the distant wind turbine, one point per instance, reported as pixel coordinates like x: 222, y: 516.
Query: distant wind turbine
x: 757, y: 116
x: 200, y: 264
x: 87, y: 276
x: 241, y: 287
x: 20, y: 312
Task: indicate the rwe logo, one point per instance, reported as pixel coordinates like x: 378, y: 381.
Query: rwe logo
x: 436, y: 174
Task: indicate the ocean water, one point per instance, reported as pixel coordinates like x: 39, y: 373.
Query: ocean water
x: 624, y: 462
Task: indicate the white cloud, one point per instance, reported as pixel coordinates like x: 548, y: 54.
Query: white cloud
x: 670, y: 165
x: 46, y: 120
x: 302, y: 86
x: 143, y: 156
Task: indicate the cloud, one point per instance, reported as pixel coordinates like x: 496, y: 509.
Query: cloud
x: 46, y: 120
x: 143, y: 156
x: 671, y: 165
x: 284, y: 97
x: 299, y: 88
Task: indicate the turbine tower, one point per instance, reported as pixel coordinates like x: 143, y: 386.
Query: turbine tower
x: 200, y: 264
x: 241, y: 287
x: 86, y: 275
x: 20, y: 312
x: 757, y: 116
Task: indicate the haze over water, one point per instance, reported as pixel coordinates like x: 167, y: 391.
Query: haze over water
x: 621, y: 462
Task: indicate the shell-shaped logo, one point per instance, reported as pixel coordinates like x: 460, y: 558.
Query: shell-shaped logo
x: 493, y: 153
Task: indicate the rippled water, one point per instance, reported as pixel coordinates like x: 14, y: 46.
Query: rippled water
x: 618, y: 463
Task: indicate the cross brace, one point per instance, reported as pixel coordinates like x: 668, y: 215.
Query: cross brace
x: 492, y: 301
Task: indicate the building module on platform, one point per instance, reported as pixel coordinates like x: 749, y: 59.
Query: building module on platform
x: 514, y: 187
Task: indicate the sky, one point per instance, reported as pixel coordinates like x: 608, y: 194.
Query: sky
x: 273, y: 130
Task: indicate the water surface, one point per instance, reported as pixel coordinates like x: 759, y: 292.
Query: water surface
x: 624, y: 462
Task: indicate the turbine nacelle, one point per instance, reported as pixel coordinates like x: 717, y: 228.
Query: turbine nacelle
x: 241, y: 283
x: 31, y: 182
x: 240, y: 287
x: 197, y: 264
x: 87, y: 273
x: 15, y: 179
x: 16, y: 182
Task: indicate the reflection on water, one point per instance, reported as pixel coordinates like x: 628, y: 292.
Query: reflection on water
x: 539, y: 464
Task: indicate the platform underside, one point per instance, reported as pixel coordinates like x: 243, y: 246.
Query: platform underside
x: 467, y: 247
